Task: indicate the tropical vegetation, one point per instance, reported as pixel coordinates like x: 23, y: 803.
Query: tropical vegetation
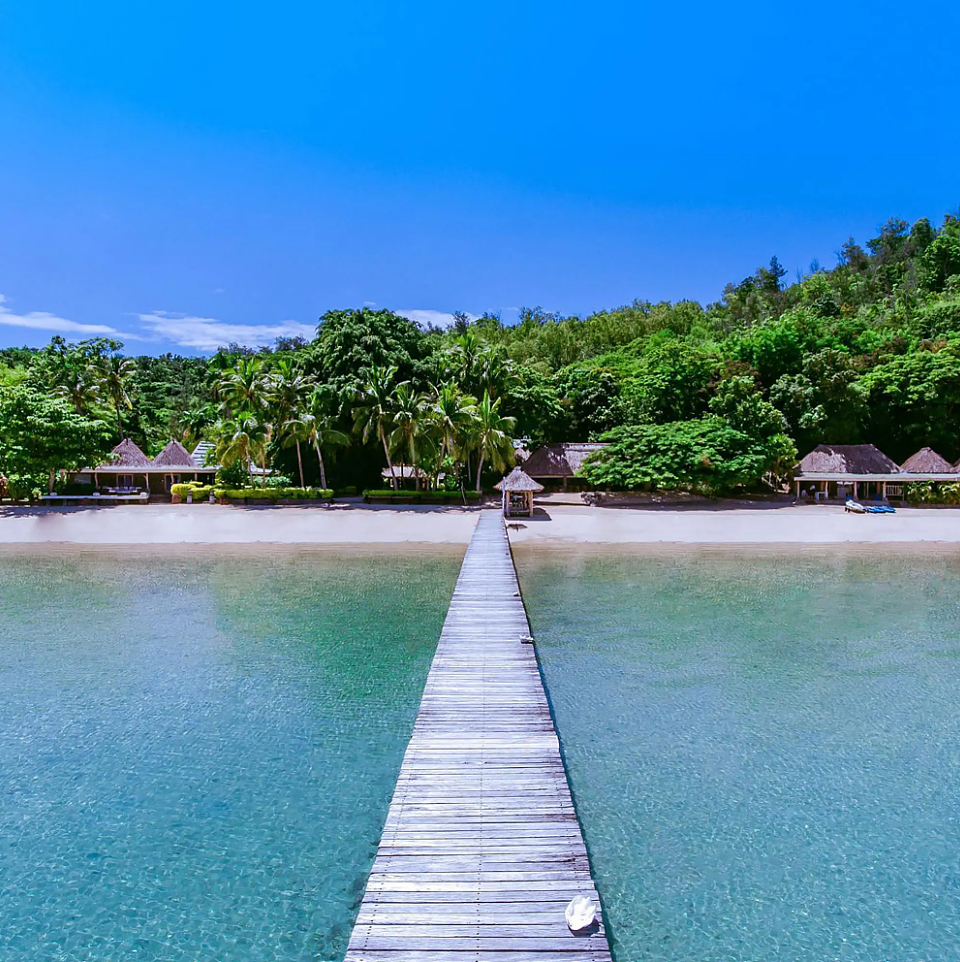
x: 714, y: 397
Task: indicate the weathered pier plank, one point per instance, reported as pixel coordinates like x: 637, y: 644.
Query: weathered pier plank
x: 481, y: 851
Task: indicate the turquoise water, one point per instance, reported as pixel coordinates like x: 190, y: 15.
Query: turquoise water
x: 764, y: 749
x: 197, y: 753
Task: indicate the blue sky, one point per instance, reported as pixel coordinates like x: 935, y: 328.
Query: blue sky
x: 188, y: 174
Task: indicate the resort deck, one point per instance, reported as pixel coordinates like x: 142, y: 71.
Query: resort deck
x: 482, y: 850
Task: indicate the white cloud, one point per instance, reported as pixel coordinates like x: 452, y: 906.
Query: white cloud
x: 208, y: 333
x: 427, y: 317
x: 44, y: 321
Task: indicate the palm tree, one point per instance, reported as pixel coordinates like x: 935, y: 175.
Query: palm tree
x: 291, y: 390
x: 410, y: 424
x: 245, y: 386
x: 244, y: 438
x: 194, y: 422
x: 453, y: 413
x: 491, y: 436
x: 373, y: 415
x: 116, y: 373
x: 480, y: 366
x: 317, y: 427
x: 79, y: 384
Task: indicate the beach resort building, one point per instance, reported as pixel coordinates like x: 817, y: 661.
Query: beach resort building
x: 560, y: 464
x: 130, y: 472
x: 835, y: 472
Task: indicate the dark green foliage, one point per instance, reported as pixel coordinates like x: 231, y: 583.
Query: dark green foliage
x: 233, y: 475
x: 40, y: 434
x: 707, y: 455
x: 76, y: 489
x: 350, y: 343
x: 914, y: 400
x: 590, y: 403
x: 671, y: 381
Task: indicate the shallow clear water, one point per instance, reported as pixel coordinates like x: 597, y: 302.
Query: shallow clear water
x: 764, y: 749
x: 197, y: 753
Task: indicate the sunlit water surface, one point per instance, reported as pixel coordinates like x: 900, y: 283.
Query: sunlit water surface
x: 764, y: 748
x: 197, y: 752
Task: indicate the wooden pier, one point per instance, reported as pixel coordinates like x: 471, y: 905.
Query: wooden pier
x: 482, y: 850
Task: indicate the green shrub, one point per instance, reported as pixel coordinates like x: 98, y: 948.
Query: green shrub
x: 348, y: 492
x: 21, y: 487
x: 930, y: 492
x: 276, y: 481
x: 424, y: 497
x: 273, y: 494
x: 233, y: 475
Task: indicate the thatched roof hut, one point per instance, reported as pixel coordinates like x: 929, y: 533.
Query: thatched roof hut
x: 927, y: 461
x: 564, y: 460
x: 127, y: 455
x: 174, y: 455
x: 518, y: 480
x: 847, y: 459
x: 518, y: 490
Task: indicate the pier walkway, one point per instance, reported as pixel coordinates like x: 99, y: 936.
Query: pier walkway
x: 482, y: 850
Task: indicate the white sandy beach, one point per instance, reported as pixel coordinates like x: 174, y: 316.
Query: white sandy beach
x: 554, y: 524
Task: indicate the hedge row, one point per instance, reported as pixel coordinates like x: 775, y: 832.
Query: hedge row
x: 199, y: 491
x: 419, y: 497
x: 273, y: 494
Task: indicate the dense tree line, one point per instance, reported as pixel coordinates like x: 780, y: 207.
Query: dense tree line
x: 713, y: 397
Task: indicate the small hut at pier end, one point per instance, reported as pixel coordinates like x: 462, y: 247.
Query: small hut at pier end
x: 518, y: 490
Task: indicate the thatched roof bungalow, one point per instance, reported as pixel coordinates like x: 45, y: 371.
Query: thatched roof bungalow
x: 560, y: 462
x: 839, y: 471
x: 174, y: 455
x: 518, y: 489
x: 847, y: 459
x: 129, y: 470
x: 927, y: 461
x: 126, y: 455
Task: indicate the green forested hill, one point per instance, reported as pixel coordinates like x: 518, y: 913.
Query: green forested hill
x: 708, y: 396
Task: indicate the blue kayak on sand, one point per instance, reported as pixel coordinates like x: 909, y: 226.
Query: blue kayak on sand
x: 856, y: 508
